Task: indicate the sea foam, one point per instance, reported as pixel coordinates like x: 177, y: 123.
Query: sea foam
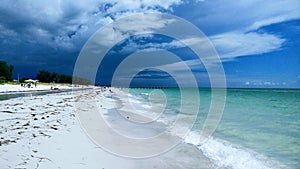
x: 225, y: 154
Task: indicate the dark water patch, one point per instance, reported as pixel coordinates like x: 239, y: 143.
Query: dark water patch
x: 12, y: 95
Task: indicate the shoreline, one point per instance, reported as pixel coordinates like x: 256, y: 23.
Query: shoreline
x: 15, y: 88
x: 44, y: 132
x: 119, y: 121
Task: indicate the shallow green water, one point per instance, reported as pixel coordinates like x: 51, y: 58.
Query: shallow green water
x: 266, y: 121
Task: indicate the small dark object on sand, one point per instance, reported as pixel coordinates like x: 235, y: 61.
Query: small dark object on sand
x: 27, y: 124
x: 54, y: 128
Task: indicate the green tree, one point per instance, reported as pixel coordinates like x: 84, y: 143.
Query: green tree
x: 54, y: 77
x: 65, y: 79
x: 6, y: 71
x: 44, y: 76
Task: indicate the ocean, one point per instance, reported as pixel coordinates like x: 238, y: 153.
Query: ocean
x: 259, y: 128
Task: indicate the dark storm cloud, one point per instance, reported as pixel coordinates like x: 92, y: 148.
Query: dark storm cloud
x: 50, y: 33
x: 152, y: 74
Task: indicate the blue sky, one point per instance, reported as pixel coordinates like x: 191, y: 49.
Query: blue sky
x: 257, y: 41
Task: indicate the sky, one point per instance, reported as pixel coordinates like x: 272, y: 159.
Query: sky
x: 257, y: 41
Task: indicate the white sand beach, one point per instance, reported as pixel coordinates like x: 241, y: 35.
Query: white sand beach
x: 9, y: 88
x: 44, y: 132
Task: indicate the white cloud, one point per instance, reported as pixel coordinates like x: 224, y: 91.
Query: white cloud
x: 260, y: 23
x: 136, y: 5
x: 233, y: 44
x: 133, y: 46
x: 177, y: 66
x: 237, y: 18
x: 276, y: 12
x: 166, y: 4
x: 246, y: 15
x: 104, y: 21
x: 146, y: 23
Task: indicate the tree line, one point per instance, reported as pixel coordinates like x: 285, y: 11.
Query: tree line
x: 46, y: 76
x: 6, y: 72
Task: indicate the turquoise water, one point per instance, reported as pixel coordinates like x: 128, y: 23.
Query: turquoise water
x: 264, y: 121
x: 267, y: 121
